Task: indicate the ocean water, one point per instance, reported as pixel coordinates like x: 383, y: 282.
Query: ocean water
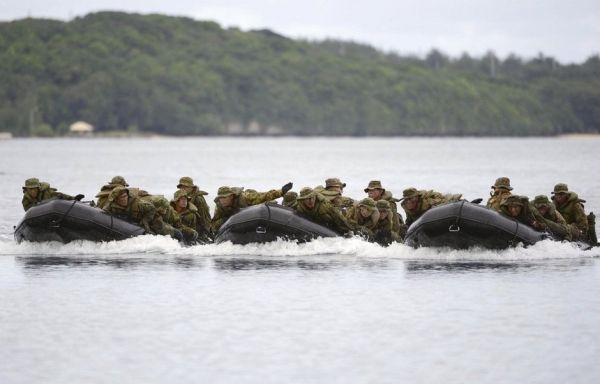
x: 146, y: 310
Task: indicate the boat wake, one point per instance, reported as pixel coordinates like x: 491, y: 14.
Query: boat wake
x: 355, y: 247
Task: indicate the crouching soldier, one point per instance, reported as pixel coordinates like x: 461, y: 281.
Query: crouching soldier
x: 416, y: 203
x: 571, y: 208
x: 500, y: 191
x: 187, y: 213
x: 107, y: 188
x: 196, y: 197
x: 35, y: 192
x: 386, y: 232
x: 376, y: 192
x: 230, y: 200
x: 131, y: 208
x: 517, y: 207
x: 316, y: 208
x: 167, y: 222
x: 364, y: 216
x: 553, y: 220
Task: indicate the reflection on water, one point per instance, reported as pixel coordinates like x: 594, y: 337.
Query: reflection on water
x: 425, y: 266
x: 51, y: 262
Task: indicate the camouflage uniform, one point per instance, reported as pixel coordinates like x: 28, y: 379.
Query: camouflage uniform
x: 527, y: 215
x: 186, y: 219
x: 323, y: 212
x: 427, y: 200
x: 137, y: 210
x: 387, y: 196
x: 357, y: 220
x: 196, y: 197
x: 501, y: 191
x: 385, y: 231
x: 343, y: 202
x: 289, y: 199
x: 107, y: 189
x: 572, y: 211
x: 551, y: 218
x: 45, y: 192
x: 242, y: 199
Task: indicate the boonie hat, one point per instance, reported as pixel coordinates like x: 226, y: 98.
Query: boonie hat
x: 185, y: 181
x: 119, y: 180
x: 383, y: 205
x: 541, y: 200
x: 409, y: 192
x: 502, y: 183
x: 513, y: 200
x: 305, y: 193
x: 33, y: 182
x: 560, y: 188
x: 225, y: 191
x: 374, y: 184
x: 179, y: 194
x: 367, y: 202
x: 118, y: 191
x: 334, y: 182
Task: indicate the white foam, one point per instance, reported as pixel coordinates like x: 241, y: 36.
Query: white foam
x: 355, y: 247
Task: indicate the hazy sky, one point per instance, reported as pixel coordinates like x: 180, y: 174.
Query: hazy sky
x: 568, y: 30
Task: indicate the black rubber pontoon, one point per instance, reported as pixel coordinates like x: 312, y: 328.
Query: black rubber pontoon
x: 268, y: 222
x: 68, y: 220
x: 462, y: 225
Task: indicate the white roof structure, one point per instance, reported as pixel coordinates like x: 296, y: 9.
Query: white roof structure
x: 81, y: 127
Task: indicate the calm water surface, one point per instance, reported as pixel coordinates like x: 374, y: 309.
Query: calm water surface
x: 146, y: 310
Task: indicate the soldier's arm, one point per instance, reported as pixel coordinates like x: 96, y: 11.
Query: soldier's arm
x: 217, y: 219
x: 253, y: 198
x: 580, y: 218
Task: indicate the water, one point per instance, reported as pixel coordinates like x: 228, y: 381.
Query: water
x: 334, y: 310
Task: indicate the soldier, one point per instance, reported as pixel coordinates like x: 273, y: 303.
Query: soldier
x: 35, y: 191
x: 107, y: 189
x: 384, y: 232
x: 501, y: 190
x: 163, y: 223
x: 571, y: 208
x: 517, y: 207
x: 415, y: 202
x: 196, y: 197
x: 289, y: 199
x: 316, y: 208
x: 230, y: 200
x: 376, y: 192
x: 133, y: 208
x: 553, y: 220
x: 188, y: 215
x: 364, y: 215
x: 335, y: 185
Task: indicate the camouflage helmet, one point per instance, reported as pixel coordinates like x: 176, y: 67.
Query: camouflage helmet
x: 409, y: 193
x: 560, y: 188
x: 179, y: 194
x: 305, y: 193
x: 513, y: 200
x: 289, y: 197
x: 33, y: 182
x: 374, y: 184
x: 159, y: 201
x: 225, y: 191
x: 185, y: 181
x: 118, y: 191
x: 367, y: 202
x: 540, y: 200
x: 119, y: 180
x: 334, y: 182
x: 383, y: 205
x: 502, y: 183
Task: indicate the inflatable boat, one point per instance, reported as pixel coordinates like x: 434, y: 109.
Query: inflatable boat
x: 461, y: 225
x: 68, y: 220
x: 268, y: 222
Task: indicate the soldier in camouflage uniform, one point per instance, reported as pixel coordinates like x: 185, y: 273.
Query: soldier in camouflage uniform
x: 196, y: 197
x: 364, y: 215
x: 335, y: 185
x: 518, y: 208
x: 416, y: 203
x: 35, y: 191
x: 162, y: 224
x: 230, y: 200
x: 316, y: 208
x: 184, y: 216
x: 132, y: 208
x: 501, y: 190
x: 571, y: 208
x: 289, y: 199
x: 376, y: 192
x: 552, y: 219
x: 385, y: 232
x: 107, y: 189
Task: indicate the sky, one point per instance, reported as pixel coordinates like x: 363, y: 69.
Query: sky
x: 567, y: 30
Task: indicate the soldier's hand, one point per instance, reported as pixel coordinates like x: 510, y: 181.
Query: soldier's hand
x: 79, y: 197
x: 286, y: 188
x: 477, y: 201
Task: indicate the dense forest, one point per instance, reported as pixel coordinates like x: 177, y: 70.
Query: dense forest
x: 178, y: 76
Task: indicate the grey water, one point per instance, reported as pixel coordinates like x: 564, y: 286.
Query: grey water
x: 334, y: 310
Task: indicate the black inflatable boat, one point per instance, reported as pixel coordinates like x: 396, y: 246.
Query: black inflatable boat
x: 462, y: 225
x: 68, y: 220
x: 267, y: 222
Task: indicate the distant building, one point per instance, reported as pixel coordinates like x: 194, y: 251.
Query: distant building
x: 5, y: 135
x: 81, y: 128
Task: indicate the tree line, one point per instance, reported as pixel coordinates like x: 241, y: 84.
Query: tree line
x: 178, y: 76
